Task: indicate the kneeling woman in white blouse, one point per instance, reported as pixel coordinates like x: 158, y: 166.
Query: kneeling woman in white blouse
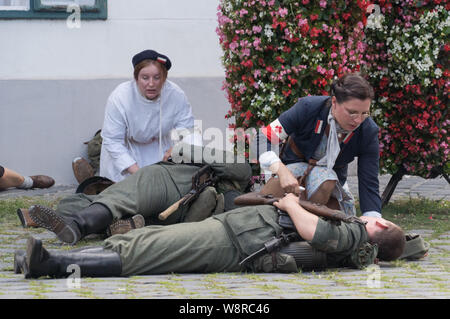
x: 139, y: 117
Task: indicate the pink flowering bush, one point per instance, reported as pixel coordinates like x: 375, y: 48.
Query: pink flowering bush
x: 278, y: 51
x: 408, y: 65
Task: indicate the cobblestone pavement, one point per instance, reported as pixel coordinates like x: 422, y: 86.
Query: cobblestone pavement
x: 426, y: 278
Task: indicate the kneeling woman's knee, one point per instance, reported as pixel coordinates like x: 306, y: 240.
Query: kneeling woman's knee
x: 327, y: 186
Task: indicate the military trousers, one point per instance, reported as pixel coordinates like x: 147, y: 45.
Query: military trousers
x: 216, y: 244
x: 147, y: 192
x: 199, y: 247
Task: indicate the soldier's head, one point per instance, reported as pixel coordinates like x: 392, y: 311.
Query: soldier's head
x: 389, y: 237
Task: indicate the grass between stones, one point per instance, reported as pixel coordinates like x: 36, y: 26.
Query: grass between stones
x: 432, y: 216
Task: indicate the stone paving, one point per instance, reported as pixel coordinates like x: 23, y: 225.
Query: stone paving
x: 426, y: 278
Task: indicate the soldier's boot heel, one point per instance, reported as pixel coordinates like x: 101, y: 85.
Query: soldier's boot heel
x: 91, y: 262
x: 123, y: 226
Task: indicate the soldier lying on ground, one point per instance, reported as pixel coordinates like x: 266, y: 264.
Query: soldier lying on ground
x: 145, y: 194
x: 219, y: 244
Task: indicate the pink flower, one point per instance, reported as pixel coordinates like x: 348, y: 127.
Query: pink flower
x: 242, y: 12
x: 323, y: 3
x: 233, y: 46
x: 256, y: 43
x: 361, y: 46
x: 283, y: 12
x: 246, y: 52
x: 256, y: 29
x: 302, y: 22
x: 223, y: 19
x: 244, y: 43
x: 333, y: 55
x: 321, y: 70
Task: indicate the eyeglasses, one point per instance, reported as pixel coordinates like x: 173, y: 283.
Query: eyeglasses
x: 354, y: 115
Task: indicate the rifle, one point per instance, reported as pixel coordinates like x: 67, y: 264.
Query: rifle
x: 273, y: 244
x: 255, y: 198
x: 202, y: 179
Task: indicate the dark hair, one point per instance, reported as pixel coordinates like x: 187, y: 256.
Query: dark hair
x: 391, y: 242
x: 351, y: 86
x: 148, y: 62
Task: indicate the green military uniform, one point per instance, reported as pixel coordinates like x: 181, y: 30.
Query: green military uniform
x: 220, y: 242
x: 153, y: 188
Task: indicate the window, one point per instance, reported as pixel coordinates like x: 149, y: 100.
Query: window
x: 53, y: 9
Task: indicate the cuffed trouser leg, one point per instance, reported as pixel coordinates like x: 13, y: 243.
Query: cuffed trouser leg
x: 73, y: 203
x: 200, y: 247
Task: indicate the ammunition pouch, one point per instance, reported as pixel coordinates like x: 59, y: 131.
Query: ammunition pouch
x: 203, y: 207
x: 306, y: 257
x: 275, y: 262
x: 364, y: 256
x: 290, y: 258
x: 285, y: 221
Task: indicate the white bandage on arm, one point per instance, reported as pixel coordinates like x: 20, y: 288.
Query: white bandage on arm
x: 267, y: 161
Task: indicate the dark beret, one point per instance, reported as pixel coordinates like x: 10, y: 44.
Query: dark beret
x: 151, y: 55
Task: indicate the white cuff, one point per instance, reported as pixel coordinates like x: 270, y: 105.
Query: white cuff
x: 372, y: 213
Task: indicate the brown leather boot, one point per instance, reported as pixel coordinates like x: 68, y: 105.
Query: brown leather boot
x: 25, y: 219
x: 123, y: 226
x: 42, y: 181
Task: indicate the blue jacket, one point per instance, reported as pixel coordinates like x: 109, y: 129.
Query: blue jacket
x: 301, y: 123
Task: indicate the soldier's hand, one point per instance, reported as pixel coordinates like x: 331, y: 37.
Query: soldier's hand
x: 288, y: 202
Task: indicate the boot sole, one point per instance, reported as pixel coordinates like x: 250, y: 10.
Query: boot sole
x: 135, y: 222
x: 22, y: 219
x: 51, y: 221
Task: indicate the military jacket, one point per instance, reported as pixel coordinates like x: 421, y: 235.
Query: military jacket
x: 250, y: 227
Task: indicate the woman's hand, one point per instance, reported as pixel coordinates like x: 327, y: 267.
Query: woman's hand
x: 287, y: 180
x: 133, y: 168
x: 167, y: 154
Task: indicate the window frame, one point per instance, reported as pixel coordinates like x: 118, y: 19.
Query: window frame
x: 38, y: 10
